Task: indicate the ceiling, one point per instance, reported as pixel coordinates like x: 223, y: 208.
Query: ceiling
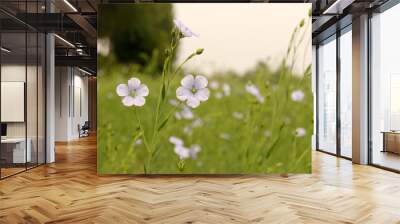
x: 75, y: 22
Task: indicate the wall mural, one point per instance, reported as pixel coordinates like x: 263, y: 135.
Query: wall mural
x: 204, y: 89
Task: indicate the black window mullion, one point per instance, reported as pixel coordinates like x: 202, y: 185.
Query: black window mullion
x: 26, y: 87
x: 338, y: 76
x: 37, y: 90
x: 317, y: 96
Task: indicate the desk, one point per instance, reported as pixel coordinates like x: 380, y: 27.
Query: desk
x: 15, y: 148
x: 391, y: 141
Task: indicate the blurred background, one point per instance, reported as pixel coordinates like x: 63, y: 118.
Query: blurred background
x: 252, y: 33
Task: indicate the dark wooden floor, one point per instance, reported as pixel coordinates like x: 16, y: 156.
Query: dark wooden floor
x: 69, y: 191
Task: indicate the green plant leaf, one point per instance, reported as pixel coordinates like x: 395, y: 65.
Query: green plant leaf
x: 162, y: 125
x: 163, y: 92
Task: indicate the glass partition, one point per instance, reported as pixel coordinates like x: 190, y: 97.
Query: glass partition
x: 346, y: 93
x: 32, y: 95
x: 22, y: 101
x: 41, y: 96
x: 14, y: 153
x: 385, y: 89
x: 327, y: 96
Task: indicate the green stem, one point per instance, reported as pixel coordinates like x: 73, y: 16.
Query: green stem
x: 142, y: 129
x: 161, y: 96
x: 173, y: 75
x: 146, y: 144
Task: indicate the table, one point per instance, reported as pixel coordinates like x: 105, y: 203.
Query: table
x: 391, y: 141
x: 13, y: 150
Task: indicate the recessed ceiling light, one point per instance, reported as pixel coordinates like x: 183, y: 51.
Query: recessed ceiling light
x: 84, y: 71
x: 64, y: 40
x: 5, y: 50
x: 70, y: 5
x: 337, y: 7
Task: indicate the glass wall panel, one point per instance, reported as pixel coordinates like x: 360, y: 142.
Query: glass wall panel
x: 32, y: 86
x: 385, y: 89
x: 41, y: 98
x: 31, y: 97
x: 14, y: 153
x: 346, y: 93
x: 327, y: 96
x: 22, y: 77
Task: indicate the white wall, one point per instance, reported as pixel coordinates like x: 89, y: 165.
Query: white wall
x: 71, y: 94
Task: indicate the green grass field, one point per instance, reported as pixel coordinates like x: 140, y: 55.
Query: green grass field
x: 237, y: 133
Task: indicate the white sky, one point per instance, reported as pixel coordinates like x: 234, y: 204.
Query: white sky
x: 237, y: 35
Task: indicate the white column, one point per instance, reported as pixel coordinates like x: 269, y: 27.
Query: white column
x: 360, y: 89
x: 50, y: 93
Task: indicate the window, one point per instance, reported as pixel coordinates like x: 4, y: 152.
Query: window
x: 385, y: 89
x: 327, y: 96
x: 346, y: 92
x: 22, y: 78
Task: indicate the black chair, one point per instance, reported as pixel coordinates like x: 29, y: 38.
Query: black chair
x: 84, y: 130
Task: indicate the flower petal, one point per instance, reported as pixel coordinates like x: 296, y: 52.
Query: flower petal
x: 187, y: 113
x: 122, y: 90
x: 185, y: 31
x: 194, y: 149
x: 227, y: 89
x: 178, y: 116
x: 193, y: 102
x: 127, y: 101
x: 139, y: 101
x: 142, y: 90
x: 188, y: 81
x: 252, y: 89
x: 181, y: 151
x: 175, y: 140
x: 200, y: 82
x: 133, y: 83
x: 202, y: 94
x: 183, y: 94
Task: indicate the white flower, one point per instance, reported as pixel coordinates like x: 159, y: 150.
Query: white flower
x: 194, y: 149
x: 214, y: 84
x: 185, y: 31
x: 197, y: 123
x: 193, y: 90
x: 178, y: 116
x: 187, y: 130
x: 227, y: 89
x: 175, y: 140
x: 225, y: 136
x: 300, y: 132
x: 237, y: 115
x: 253, y: 90
x: 218, y: 95
x: 133, y: 93
x: 173, y: 102
x: 297, y: 95
x: 182, y: 152
x: 138, y: 142
x: 187, y: 113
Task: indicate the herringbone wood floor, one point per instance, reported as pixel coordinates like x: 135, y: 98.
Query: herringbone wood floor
x: 69, y: 191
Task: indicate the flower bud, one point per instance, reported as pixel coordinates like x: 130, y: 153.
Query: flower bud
x: 301, y: 23
x: 199, y: 51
